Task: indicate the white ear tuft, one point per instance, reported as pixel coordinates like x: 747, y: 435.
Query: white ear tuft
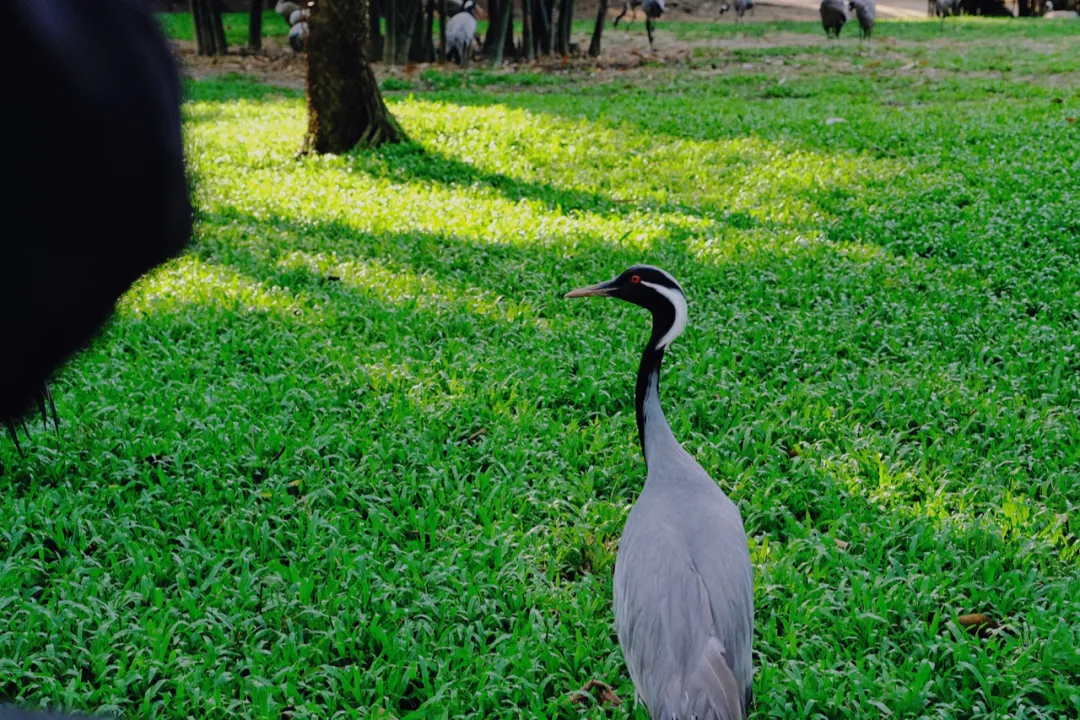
x: 678, y: 302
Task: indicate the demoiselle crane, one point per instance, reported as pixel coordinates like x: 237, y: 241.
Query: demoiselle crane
x: 460, y: 31
x: 684, y: 598
x: 865, y: 12
x: 833, y: 16
x: 652, y: 9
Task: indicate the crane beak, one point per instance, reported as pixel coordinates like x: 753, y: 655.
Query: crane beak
x: 601, y: 289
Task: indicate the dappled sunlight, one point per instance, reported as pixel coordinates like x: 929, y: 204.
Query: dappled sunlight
x: 374, y: 205
x: 190, y: 282
x: 544, y: 180
x: 732, y: 245
x: 406, y: 287
x: 923, y: 490
x: 772, y: 182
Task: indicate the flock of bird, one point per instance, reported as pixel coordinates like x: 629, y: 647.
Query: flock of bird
x: 297, y: 17
x: 461, y: 28
x: 834, y: 16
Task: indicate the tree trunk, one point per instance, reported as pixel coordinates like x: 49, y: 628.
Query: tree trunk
x: 255, y: 25
x: 509, y: 47
x: 442, y: 30
x: 390, y: 47
x: 209, y: 30
x: 541, y: 27
x: 418, y: 47
x: 562, y: 33
x: 198, y: 24
x: 494, y: 12
x: 375, y: 43
x: 217, y: 27
x: 598, y: 30
x: 409, y: 31
x: 345, y: 108
x: 526, y: 31
x: 498, y: 28
x: 429, y: 33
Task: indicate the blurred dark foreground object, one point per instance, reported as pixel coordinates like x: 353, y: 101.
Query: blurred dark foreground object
x: 96, y: 192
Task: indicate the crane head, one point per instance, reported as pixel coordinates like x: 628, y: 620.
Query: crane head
x: 651, y: 288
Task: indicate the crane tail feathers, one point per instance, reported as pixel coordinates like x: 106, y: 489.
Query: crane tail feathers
x: 712, y: 692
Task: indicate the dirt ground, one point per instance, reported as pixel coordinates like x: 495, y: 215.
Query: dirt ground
x: 625, y: 47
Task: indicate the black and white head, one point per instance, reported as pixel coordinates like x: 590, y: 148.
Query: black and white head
x: 469, y: 7
x: 653, y: 289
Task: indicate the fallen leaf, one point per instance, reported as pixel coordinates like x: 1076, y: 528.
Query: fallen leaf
x: 599, y: 690
x: 833, y: 121
x: 1070, y: 119
x: 909, y: 66
x: 841, y: 544
x: 978, y: 624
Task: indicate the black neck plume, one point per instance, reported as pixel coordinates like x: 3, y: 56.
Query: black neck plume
x: 650, y: 365
x: 663, y: 317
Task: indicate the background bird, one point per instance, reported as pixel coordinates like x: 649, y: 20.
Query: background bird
x: 741, y: 6
x: 945, y: 8
x: 864, y: 10
x: 298, y: 35
x: 460, y: 31
x: 285, y: 8
x: 833, y: 16
x: 684, y: 599
x: 652, y: 8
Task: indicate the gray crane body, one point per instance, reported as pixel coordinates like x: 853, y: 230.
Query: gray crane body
x: 460, y: 31
x: 865, y: 12
x: 684, y: 590
x: 684, y: 599
x: 833, y: 16
x: 741, y: 6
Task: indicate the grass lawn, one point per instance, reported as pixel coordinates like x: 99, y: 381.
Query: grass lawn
x: 353, y: 455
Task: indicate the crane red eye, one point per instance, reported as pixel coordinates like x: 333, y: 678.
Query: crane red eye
x: 635, y: 279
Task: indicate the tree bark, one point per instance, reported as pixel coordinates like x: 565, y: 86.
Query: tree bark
x: 562, y: 33
x: 209, y: 30
x: 429, y: 32
x: 442, y: 30
x: 390, y: 46
x: 345, y: 107
x: 543, y: 11
x: 255, y: 25
x: 494, y: 12
x: 198, y: 24
x: 509, y: 47
x: 526, y: 31
x: 499, y: 27
x: 217, y: 27
x: 598, y: 30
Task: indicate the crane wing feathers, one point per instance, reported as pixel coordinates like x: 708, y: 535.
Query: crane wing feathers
x: 685, y: 635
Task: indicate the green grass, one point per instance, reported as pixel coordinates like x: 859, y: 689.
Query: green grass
x: 353, y: 454
x: 179, y: 26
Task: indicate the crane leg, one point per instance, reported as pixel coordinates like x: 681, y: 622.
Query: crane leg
x: 625, y: 8
x: 649, y: 29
